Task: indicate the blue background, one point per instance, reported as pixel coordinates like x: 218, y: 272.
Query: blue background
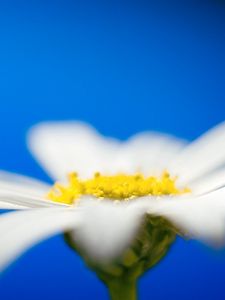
x: 124, y: 66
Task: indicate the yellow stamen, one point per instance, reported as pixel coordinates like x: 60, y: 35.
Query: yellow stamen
x: 117, y: 187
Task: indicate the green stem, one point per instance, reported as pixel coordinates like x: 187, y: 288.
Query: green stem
x: 121, y: 289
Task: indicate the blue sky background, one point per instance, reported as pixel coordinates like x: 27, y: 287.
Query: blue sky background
x: 123, y: 66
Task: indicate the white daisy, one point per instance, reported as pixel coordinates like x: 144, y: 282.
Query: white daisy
x: 116, y: 237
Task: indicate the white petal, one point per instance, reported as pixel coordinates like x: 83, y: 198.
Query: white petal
x: 199, y: 217
x: 108, y: 228
x: 16, y: 200
x: 209, y: 183
x: 22, y: 184
x: 22, y: 229
x: 70, y: 146
x: 202, y: 156
x: 19, y: 192
x: 65, y: 147
x: 5, y: 205
x: 148, y: 153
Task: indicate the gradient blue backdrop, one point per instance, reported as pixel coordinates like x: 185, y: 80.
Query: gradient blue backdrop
x: 124, y: 66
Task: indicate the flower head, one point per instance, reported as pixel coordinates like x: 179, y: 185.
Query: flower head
x: 189, y: 200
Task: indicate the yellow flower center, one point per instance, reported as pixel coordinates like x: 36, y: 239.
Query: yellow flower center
x: 116, y: 187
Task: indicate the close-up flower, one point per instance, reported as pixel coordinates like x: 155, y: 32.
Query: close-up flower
x: 119, y: 204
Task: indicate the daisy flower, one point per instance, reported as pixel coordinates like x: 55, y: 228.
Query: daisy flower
x: 119, y: 204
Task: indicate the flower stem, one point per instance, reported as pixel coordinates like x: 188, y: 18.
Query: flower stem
x: 122, y: 289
